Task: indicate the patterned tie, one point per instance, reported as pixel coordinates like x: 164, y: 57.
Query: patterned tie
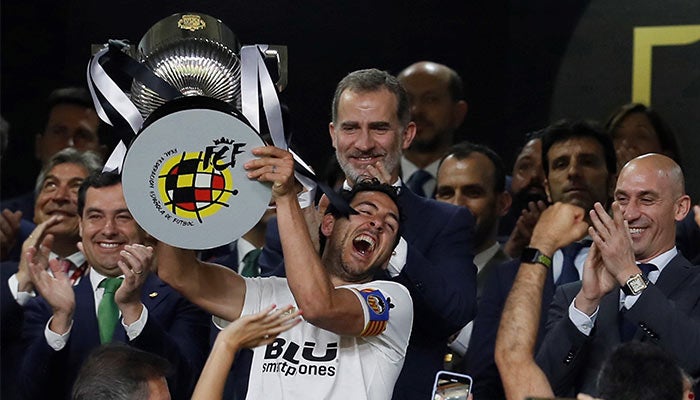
x: 64, y: 265
x: 250, y: 264
x: 627, y: 328
x: 417, y: 180
x: 569, y: 273
x: 107, y: 312
x: 67, y: 265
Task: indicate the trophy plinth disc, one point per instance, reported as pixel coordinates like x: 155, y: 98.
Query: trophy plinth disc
x: 183, y: 175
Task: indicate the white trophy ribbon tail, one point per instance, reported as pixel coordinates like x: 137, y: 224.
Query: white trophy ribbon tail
x: 98, y: 80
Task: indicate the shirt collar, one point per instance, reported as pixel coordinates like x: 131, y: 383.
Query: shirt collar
x: 408, y: 168
x: 483, y: 257
x: 663, y: 259
x: 243, y: 247
x: 96, y: 278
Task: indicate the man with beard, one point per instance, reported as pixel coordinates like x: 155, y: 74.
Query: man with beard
x: 473, y: 176
x: 434, y: 260
x: 579, y: 162
x: 355, y: 332
x: 529, y: 196
x: 435, y: 95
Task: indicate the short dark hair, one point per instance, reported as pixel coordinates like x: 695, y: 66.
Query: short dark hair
x: 76, y: 96
x: 463, y: 150
x: 640, y: 371
x: 565, y: 129
x: 90, y: 161
x: 667, y: 138
x: 118, y: 372
x: 366, y: 185
x: 96, y: 180
x: 370, y: 80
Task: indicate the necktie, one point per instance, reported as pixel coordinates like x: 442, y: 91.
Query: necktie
x: 107, y: 312
x: 64, y: 265
x: 627, y: 328
x: 67, y: 265
x: 250, y: 264
x: 569, y: 273
x: 417, y: 180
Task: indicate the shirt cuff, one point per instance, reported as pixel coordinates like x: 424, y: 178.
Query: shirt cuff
x: 56, y: 341
x: 398, y: 258
x: 135, y: 329
x: 629, y: 301
x: 461, y: 342
x: 21, y: 297
x: 583, y: 322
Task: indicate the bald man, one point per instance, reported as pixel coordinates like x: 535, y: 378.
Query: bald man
x: 435, y: 95
x: 636, y: 285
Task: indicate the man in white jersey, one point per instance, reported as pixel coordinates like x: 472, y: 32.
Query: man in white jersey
x: 353, y: 340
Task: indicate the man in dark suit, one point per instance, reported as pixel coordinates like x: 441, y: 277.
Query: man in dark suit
x: 67, y: 322
x: 434, y: 260
x: 579, y: 164
x: 437, y: 107
x: 636, y: 286
x: 473, y: 176
x: 56, y: 213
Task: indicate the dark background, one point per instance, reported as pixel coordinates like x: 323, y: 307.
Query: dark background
x: 524, y: 63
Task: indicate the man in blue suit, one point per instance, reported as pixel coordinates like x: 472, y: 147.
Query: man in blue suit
x: 434, y: 259
x: 67, y: 322
x: 636, y: 285
x: 579, y: 164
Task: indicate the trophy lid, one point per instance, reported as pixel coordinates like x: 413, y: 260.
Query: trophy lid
x: 194, y: 52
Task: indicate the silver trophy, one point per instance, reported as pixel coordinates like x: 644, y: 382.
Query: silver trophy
x: 198, y: 55
x: 182, y: 174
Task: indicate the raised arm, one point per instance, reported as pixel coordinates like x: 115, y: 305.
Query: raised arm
x: 214, y: 288
x: 336, y: 310
x: 558, y: 226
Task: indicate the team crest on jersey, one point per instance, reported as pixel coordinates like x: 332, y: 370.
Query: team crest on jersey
x: 378, y: 307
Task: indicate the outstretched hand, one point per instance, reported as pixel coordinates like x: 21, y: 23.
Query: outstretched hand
x: 57, y: 290
x: 9, y: 230
x: 259, y: 329
x: 522, y: 232
x: 613, y: 240
x: 24, y: 278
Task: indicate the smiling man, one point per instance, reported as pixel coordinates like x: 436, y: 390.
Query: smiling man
x: 67, y: 322
x: 355, y: 332
x: 636, y: 285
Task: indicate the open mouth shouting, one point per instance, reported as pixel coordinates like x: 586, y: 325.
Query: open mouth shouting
x: 364, y: 244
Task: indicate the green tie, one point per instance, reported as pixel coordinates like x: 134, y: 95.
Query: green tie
x: 250, y: 264
x: 107, y: 312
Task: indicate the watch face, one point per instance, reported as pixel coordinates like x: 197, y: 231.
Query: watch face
x: 636, y: 284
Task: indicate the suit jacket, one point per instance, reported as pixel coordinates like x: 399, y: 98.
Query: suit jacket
x: 10, y: 333
x: 667, y: 314
x: 688, y: 238
x: 479, y: 360
x: 439, y: 273
x: 176, y: 330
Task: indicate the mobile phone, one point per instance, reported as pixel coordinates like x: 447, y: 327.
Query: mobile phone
x: 451, y: 386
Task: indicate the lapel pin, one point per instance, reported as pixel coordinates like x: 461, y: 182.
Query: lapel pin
x: 153, y: 294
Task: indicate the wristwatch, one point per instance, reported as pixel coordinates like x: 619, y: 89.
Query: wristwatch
x: 635, y: 285
x: 534, y: 256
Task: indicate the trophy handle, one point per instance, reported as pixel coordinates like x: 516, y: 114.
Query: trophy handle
x: 278, y: 55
